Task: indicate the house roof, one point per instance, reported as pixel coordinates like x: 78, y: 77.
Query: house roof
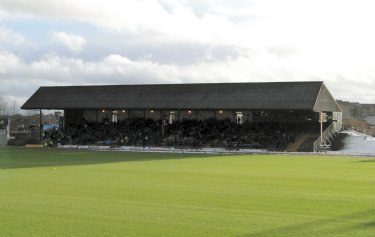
x: 266, y: 95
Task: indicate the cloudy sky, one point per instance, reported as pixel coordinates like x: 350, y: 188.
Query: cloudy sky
x: 85, y: 42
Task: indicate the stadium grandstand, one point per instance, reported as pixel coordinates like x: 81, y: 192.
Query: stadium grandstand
x: 277, y: 116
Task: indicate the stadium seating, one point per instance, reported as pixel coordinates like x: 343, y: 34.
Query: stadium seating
x: 187, y: 133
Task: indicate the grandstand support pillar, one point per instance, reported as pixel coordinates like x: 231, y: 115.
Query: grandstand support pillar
x: 162, y: 123
x: 321, y: 128
x: 40, y: 125
x: 144, y: 124
x: 128, y: 116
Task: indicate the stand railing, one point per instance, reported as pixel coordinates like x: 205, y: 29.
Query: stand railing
x: 324, y: 141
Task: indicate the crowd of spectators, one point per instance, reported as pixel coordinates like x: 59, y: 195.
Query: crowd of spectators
x: 187, y: 133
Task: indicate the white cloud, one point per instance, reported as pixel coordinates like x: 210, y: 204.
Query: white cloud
x: 272, y: 40
x: 319, y: 27
x: 316, y: 25
x: 9, y: 37
x: 74, y: 43
x: 179, y: 22
x: 116, y: 69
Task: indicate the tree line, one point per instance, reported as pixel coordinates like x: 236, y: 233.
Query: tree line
x: 8, y: 107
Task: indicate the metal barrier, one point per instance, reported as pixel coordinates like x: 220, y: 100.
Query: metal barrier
x: 324, y: 141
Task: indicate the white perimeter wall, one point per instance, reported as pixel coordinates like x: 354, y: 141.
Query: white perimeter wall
x: 3, y: 137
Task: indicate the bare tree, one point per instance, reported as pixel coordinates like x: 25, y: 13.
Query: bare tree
x: 31, y: 112
x: 13, y: 107
x: 3, y: 106
x: 8, y: 107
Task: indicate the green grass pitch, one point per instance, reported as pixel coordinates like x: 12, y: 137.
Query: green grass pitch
x: 82, y: 193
